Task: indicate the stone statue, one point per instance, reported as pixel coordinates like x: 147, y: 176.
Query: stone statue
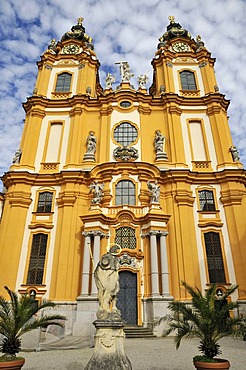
x: 91, y: 142
x: 234, y: 154
x: 159, y: 142
x: 17, y: 156
x: 97, y: 190
x: 154, y: 188
x: 142, y: 80
x: 110, y: 79
x: 125, y: 71
x: 52, y: 47
x: 107, y: 282
x: 199, y: 43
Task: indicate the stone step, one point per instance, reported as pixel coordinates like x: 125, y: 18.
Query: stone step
x: 138, y: 332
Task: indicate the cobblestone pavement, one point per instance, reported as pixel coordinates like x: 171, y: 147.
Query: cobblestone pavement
x: 144, y: 354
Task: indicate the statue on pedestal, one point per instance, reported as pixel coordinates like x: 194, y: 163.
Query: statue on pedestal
x: 97, y: 191
x: 109, y: 351
x: 91, y: 143
x: 159, y: 145
x: 154, y: 189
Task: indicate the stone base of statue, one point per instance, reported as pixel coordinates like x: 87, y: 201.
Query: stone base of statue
x: 162, y: 156
x: 89, y: 157
x: 109, y: 351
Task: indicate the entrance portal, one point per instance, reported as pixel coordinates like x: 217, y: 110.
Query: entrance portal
x: 127, y: 297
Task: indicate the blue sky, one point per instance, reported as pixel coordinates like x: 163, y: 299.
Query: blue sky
x: 121, y: 30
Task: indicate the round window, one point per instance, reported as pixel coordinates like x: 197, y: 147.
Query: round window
x: 125, y: 134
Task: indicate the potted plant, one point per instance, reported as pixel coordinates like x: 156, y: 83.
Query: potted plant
x: 207, y: 318
x: 17, y: 317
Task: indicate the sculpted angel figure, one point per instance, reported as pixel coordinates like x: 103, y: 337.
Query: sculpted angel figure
x: 97, y: 191
x: 110, y: 79
x: 142, y: 80
x: 154, y: 188
x: 107, y: 282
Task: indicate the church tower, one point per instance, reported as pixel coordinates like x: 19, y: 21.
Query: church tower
x: 154, y: 171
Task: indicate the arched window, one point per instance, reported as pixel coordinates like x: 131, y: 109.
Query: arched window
x: 214, y: 258
x: 125, y: 237
x: 63, y: 82
x: 45, y: 202
x: 206, y: 199
x: 125, y: 193
x: 188, y: 81
x: 125, y: 134
x: 37, y: 259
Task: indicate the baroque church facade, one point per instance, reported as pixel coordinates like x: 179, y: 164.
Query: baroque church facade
x: 154, y: 171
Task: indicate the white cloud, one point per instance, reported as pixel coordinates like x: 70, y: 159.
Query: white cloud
x: 121, y: 30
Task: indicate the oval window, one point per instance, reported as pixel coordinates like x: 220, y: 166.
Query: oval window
x: 125, y: 104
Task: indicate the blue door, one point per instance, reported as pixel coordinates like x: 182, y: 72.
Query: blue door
x: 127, y: 297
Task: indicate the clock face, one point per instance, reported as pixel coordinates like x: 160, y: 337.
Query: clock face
x: 70, y: 49
x: 180, y: 47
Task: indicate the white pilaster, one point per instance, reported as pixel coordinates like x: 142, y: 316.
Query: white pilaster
x: 96, y: 258
x: 86, y: 266
x: 154, y: 265
x: 164, y: 265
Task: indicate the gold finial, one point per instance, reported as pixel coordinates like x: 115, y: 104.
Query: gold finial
x: 171, y: 18
x: 80, y: 20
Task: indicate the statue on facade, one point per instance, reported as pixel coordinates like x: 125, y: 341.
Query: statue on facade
x: 97, y: 190
x: 125, y: 71
x: 234, y: 154
x: 142, y: 80
x: 159, y: 142
x: 17, y: 156
x: 107, y: 282
x: 110, y: 79
x: 52, y: 47
x: 154, y: 189
x: 91, y: 142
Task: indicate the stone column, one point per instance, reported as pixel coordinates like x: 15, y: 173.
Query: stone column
x: 164, y: 265
x: 96, y: 258
x: 154, y: 264
x: 86, y: 265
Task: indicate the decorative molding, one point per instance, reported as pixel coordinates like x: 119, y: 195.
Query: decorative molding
x: 125, y: 154
x: 203, y: 64
x: 93, y: 233
x: 49, y: 67
x: 127, y: 261
x: 168, y: 64
x: 154, y: 232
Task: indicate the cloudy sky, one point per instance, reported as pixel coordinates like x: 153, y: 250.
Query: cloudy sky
x: 121, y: 30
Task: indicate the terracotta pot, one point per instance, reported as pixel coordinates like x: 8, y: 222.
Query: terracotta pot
x: 222, y: 365
x: 12, y: 365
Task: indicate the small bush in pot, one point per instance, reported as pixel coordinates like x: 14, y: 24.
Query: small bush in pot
x: 207, y: 318
x: 18, y: 316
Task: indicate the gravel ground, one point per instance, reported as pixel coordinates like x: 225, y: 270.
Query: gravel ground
x: 144, y: 354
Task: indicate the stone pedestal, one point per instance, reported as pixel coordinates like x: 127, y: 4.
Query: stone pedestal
x: 109, y: 352
x: 89, y: 157
x: 161, y: 156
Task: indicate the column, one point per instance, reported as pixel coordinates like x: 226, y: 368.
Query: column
x: 154, y: 264
x: 96, y: 258
x: 164, y: 265
x: 86, y: 265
